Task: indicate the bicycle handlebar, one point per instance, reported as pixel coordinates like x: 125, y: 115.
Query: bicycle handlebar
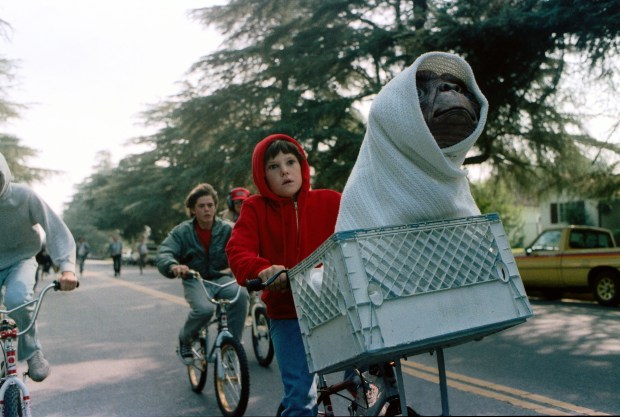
x: 192, y: 274
x: 257, y: 284
x: 55, y: 285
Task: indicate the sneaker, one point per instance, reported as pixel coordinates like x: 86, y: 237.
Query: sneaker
x: 186, y: 353
x: 38, y: 367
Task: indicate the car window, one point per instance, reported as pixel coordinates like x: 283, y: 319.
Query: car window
x: 596, y: 239
x: 577, y: 239
x: 549, y: 240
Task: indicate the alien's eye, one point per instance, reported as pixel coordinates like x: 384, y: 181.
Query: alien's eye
x: 421, y: 93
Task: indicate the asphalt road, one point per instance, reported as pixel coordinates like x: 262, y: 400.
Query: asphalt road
x: 112, y: 345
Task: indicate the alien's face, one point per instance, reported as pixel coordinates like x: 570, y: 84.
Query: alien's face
x: 450, y: 110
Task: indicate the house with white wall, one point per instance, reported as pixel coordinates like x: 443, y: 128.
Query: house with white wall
x: 561, y: 210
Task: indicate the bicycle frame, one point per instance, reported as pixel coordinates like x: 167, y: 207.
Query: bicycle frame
x: 255, y: 302
x: 221, y: 317
x: 8, y: 335
x: 226, y: 352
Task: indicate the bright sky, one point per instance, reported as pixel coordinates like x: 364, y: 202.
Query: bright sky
x: 86, y: 69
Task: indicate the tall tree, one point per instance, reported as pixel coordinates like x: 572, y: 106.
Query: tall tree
x: 306, y: 67
x: 16, y: 154
x: 310, y: 68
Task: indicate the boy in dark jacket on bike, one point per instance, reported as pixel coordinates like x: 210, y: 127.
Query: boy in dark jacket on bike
x: 277, y: 229
x: 198, y: 244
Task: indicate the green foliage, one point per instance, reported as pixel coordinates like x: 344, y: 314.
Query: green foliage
x: 493, y: 196
x: 16, y: 154
x: 308, y: 67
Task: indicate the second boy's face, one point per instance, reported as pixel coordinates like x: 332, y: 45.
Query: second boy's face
x: 283, y: 175
x: 204, y: 210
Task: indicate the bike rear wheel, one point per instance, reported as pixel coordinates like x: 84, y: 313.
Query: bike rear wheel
x: 261, y: 339
x: 232, y: 386
x: 197, y: 370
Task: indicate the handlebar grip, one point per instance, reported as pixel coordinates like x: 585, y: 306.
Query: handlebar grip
x: 57, y: 285
x: 255, y: 284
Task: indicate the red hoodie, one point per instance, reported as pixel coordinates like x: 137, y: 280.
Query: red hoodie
x: 273, y: 230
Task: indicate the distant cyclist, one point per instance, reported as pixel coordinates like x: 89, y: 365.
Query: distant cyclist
x: 20, y: 210
x: 234, y: 200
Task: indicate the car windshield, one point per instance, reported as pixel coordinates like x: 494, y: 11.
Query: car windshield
x: 549, y: 240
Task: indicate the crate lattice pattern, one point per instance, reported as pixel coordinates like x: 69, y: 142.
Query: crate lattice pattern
x: 405, y: 263
x: 417, y: 262
x: 318, y: 310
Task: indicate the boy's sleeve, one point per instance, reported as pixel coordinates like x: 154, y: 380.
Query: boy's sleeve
x: 59, y: 240
x: 243, y: 246
x: 167, y: 254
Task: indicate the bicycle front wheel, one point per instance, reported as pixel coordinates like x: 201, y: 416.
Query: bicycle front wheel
x: 261, y: 339
x: 12, y: 402
x: 394, y: 409
x: 232, y: 379
x: 2, y: 359
x: 197, y: 370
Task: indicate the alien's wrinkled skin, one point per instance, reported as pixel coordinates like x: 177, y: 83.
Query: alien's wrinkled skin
x: 450, y: 110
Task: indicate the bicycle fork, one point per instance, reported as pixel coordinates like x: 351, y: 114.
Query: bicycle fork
x: 216, y: 353
x: 8, y: 334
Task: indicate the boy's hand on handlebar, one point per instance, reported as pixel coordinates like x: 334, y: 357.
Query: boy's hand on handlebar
x: 68, y: 281
x: 281, y: 283
x: 179, y: 270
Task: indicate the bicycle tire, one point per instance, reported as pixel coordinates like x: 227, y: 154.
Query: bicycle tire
x: 232, y: 389
x: 2, y: 360
x: 197, y: 370
x: 12, y: 402
x: 261, y: 340
x: 393, y: 409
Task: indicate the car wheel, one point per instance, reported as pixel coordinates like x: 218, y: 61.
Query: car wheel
x: 606, y: 288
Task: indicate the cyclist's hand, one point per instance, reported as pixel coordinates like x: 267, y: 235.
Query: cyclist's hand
x: 68, y: 281
x: 281, y: 283
x: 179, y: 270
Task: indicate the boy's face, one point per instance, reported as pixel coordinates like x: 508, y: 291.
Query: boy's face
x: 204, y: 210
x: 237, y: 206
x: 283, y: 175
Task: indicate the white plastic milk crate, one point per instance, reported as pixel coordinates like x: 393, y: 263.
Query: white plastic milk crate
x: 371, y: 295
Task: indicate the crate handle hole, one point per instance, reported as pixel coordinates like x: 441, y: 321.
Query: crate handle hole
x: 502, y: 271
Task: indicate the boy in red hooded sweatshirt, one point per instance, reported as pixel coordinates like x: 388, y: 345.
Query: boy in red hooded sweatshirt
x: 277, y: 229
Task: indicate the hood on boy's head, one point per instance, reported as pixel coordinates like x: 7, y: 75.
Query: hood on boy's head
x: 258, y: 165
x: 5, y: 175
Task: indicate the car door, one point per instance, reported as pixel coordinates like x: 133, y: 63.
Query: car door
x: 540, y: 266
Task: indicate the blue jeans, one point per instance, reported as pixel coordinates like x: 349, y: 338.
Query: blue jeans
x: 299, y: 384
x: 18, y: 280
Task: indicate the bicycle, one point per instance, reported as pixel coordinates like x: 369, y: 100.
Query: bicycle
x: 231, y: 376
x: 14, y: 394
x: 261, y: 338
x: 375, y: 391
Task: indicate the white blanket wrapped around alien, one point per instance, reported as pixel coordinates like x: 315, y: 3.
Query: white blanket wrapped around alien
x: 420, y: 128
